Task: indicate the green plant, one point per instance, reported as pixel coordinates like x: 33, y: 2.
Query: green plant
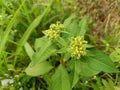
x: 63, y: 55
x: 63, y: 58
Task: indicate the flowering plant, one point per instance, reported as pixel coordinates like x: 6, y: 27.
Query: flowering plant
x: 64, y: 54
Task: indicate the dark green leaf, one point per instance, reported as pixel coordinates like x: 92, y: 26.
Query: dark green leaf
x: 99, y: 62
x: 86, y: 70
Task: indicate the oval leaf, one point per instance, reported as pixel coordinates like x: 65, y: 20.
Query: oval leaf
x: 38, y: 69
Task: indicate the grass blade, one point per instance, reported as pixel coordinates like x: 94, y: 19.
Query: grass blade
x: 29, y: 30
x: 8, y: 28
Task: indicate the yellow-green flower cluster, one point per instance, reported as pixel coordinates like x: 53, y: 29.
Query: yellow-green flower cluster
x: 51, y: 34
x: 54, y: 31
x: 78, y: 47
x: 57, y: 27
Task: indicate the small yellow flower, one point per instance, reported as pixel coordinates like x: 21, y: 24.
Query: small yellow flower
x: 78, y: 47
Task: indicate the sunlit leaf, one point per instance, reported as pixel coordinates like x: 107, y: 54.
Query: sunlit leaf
x: 38, y: 69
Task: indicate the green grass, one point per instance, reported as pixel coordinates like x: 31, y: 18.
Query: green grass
x: 8, y: 29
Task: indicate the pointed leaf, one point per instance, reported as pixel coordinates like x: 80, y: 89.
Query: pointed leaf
x: 29, y: 50
x: 71, y: 26
x: 75, y: 72
x: 101, y: 61
x: 83, y: 27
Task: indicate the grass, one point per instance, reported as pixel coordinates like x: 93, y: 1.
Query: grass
x: 22, y: 21
x: 8, y: 29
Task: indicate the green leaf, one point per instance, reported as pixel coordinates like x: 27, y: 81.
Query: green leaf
x: 74, y: 27
x: 69, y: 20
x: 71, y: 26
x: 39, y: 42
x: 76, y: 70
x: 62, y: 42
x: 29, y: 50
x: 83, y: 27
x: 75, y: 79
x: 28, y: 32
x: 38, y: 69
x: 48, y: 80
x: 66, y: 56
x: 100, y: 62
x: 44, y: 51
x: 86, y: 70
x: 60, y: 80
x: 62, y: 50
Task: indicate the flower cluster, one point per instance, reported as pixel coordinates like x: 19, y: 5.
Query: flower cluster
x: 78, y: 47
x: 52, y: 34
x: 54, y: 31
x: 57, y: 27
